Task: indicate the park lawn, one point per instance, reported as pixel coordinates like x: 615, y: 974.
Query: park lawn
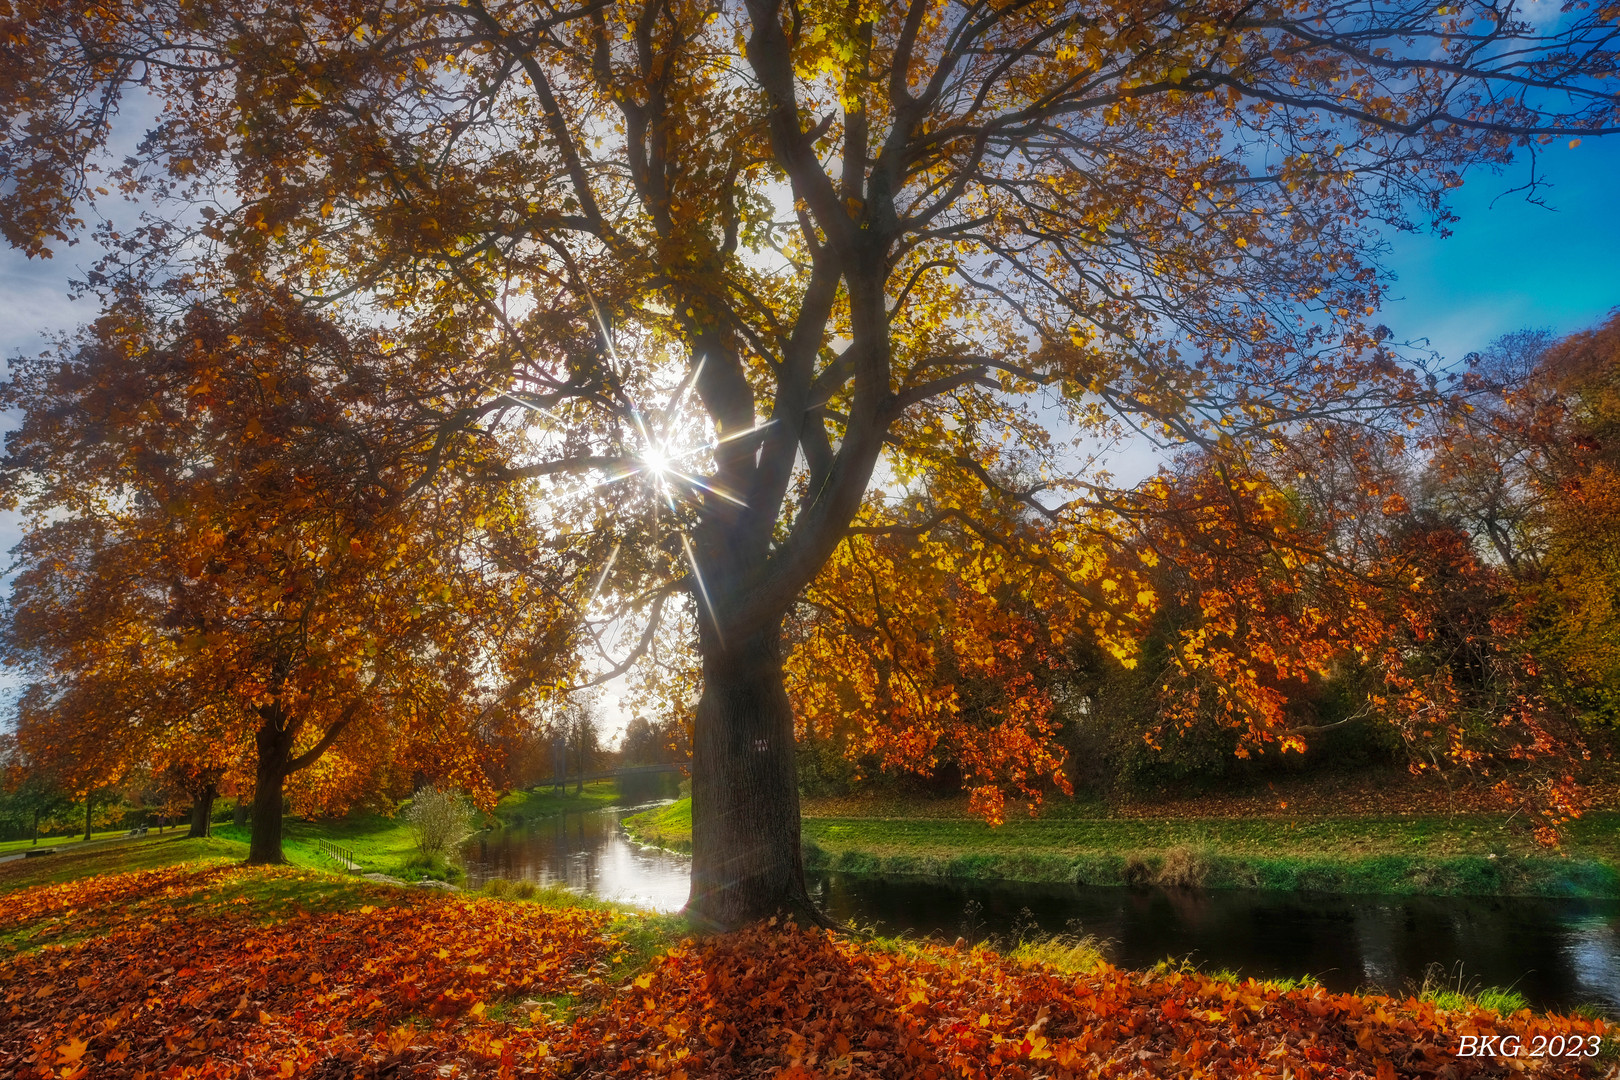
x: 1481, y: 854
x: 70, y: 863
x: 11, y: 847
x: 378, y: 843
x: 284, y: 971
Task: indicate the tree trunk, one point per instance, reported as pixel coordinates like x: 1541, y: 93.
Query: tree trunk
x: 239, y: 812
x: 579, y: 780
x: 36, y: 826
x: 274, y: 740
x: 87, y: 817
x: 202, y: 811
x: 746, y: 862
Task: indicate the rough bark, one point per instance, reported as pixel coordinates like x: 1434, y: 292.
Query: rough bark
x: 746, y: 862
x: 274, y: 740
x: 202, y: 811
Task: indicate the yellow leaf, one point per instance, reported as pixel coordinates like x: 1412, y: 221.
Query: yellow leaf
x: 71, y: 1051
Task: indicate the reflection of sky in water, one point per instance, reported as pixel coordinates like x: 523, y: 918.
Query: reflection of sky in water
x: 1376, y: 941
x: 1557, y: 953
x: 1593, y: 951
x: 588, y: 853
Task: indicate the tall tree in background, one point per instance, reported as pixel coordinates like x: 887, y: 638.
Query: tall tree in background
x: 236, y: 560
x: 1533, y: 476
x: 1583, y: 516
x: 29, y: 794
x: 775, y: 267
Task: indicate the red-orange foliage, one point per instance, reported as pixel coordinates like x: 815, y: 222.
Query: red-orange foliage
x: 235, y: 559
x: 415, y: 985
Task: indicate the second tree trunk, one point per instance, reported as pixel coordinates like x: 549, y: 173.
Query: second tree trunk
x: 202, y: 811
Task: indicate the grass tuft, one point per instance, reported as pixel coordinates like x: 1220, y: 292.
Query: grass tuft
x: 1183, y: 868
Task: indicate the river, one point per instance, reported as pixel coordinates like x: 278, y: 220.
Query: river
x: 1557, y: 953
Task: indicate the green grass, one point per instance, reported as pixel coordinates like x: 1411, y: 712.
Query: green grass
x: 380, y: 844
x: 1438, y: 855
x: 523, y: 806
x: 90, y: 859
x: 383, y: 844
x: 11, y: 847
x: 664, y: 826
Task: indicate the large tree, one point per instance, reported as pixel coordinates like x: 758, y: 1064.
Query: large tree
x: 770, y: 265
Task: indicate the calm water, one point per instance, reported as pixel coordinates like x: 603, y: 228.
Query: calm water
x: 1557, y: 953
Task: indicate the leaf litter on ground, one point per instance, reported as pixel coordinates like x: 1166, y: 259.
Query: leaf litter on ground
x: 401, y: 984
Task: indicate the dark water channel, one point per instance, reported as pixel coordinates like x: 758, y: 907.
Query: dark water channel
x: 1557, y: 953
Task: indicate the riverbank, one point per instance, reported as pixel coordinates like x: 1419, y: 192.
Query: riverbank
x: 295, y: 973
x: 1455, y: 854
x: 383, y: 844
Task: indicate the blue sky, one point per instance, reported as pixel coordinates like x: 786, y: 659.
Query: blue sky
x: 1510, y: 264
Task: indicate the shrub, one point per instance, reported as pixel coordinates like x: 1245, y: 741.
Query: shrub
x: 1137, y: 871
x: 524, y: 890
x: 439, y: 820
x: 498, y: 887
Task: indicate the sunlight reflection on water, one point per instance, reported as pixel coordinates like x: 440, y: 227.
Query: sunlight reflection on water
x: 588, y: 853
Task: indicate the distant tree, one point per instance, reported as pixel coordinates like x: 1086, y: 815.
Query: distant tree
x: 28, y: 793
x: 644, y: 743
x: 236, y: 557
x: 578, y: 726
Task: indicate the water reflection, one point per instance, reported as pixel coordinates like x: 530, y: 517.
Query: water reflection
x: 588, y: 853
x: 1557, y: 953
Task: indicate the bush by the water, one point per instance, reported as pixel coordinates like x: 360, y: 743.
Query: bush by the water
x: 439, y: 820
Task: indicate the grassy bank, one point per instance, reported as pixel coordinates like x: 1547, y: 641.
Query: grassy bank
x: 521, y: 807
x: 382, y: 843
x: 664, y: 826
x: 1476, y: 854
